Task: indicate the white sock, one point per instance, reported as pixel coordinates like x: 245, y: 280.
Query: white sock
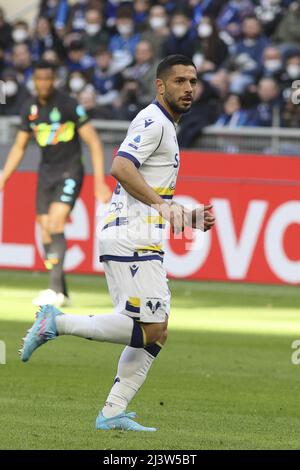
x: 113, y: 328
x: 133, y: 367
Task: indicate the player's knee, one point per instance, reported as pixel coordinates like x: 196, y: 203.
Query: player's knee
x: 154, y: 332
x: 55, y: 225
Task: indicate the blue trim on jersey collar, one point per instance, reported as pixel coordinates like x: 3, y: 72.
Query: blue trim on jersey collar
x: 163, y: 110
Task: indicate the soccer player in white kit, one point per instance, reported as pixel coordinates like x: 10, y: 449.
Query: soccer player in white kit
x: 146, y: 168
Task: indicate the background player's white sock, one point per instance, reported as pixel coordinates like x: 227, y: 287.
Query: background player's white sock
x: 133, y: 367
x: 113, y: 328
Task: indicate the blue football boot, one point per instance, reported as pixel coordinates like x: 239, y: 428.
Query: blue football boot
x: 43, y: 329
x: 123, y: 422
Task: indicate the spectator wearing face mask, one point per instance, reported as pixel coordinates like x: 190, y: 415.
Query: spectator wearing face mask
x: 182, y: 37
x: 157, y: 30
x: 106, y: 79
x: 290, y: 74
x: 15, y: 94
x: 76, y: 83
x: 5, y: 30
x: 45, y: 39
x: 95, y: 34
x: 210, y: 50
x: 123, y: 43
x: 272, y: 63
x: 268, y: 111
x: 292, y: 67
x: 76, y: 19
x: 20, y: 33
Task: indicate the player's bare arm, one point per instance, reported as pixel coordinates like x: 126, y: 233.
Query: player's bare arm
x: 15, y: 156
x: 91, y: 138
x: 133, y: 182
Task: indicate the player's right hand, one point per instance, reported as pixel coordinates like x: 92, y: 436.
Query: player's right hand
x: 175, y: 214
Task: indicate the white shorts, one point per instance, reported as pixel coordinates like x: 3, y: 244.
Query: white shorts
x: 139, y: 289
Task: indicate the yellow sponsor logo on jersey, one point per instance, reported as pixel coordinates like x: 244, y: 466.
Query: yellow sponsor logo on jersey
x: 149, y: 248
x: 164, y: 191
x: 134, y: 301
x: 154, y: 219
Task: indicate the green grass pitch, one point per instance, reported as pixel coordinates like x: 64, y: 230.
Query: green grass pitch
x: 224, y: 380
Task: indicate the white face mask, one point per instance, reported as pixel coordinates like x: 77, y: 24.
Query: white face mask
x: 249, y: 42
x: 76, y: 84
x: 273, y: 64
x: 11, y: 88
x: 293, y: 70
x: 198, y: 59
x: 205, y: 30
x: 179, y: 30
x: 19, y: 35
x: 31, y: 87
x: 157, y: 22
x: 92, y: 28
x: 125, y: 29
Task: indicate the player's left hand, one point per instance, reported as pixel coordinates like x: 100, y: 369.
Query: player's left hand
x: 201, y: 218
x: 103, y: 193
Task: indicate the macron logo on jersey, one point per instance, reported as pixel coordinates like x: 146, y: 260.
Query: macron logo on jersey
x: 148, y: 122
x: 134, y: 269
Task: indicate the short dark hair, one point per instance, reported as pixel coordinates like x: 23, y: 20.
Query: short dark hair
x: 168, y: 62
x: 44, y: 64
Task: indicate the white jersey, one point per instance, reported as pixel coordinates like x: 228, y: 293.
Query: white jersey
x: 133, y: 231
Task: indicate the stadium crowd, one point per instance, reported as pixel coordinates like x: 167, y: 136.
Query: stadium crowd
x: 247, y: 54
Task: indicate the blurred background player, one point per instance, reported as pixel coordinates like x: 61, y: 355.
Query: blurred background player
x: 146, y: 167
x: 56, y: 121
